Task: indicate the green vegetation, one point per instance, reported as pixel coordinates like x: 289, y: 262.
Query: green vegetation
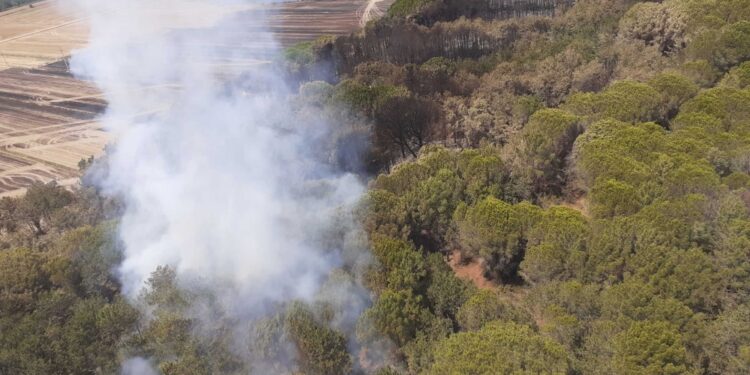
x: 300, y: 53
x: 60, y: 311
x: 505, y: 348
x: 403, y: 8
x: 595, y: 167
x: 592, y: 167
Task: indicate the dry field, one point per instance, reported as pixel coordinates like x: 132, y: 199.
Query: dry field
x: 31, y: 37
x: 46, y: 125
x: 48, y: 118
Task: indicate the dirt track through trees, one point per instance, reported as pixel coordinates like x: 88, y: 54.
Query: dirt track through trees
x: 48, y: 118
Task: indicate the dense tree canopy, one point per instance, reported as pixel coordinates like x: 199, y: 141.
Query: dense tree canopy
x: 612, y: 206
x: 499, y: 348
x: 555, y: 187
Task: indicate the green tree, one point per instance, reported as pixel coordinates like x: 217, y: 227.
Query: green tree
x: 728, y: 344
x: 556, y: 246
x: 627, y: 101
x: 727, y: 104
x: 687, y: 275
x: 397, y: 314
x: 495, y: 231
x: 321, y: 350
x: 650, y: 348
x: 499, y: 348
x: 675, y: 89
x: 729, y: 47
x: 546, y: 141
x: 400, y: 266
x: 615, y: 150
x: 384, y: 213
x: 610, y: 197
x: 484, y: 174
x: 485, y: 306
x: 634, y: 301
x: 40, y: 202
x: 738, y: 77
x: 737, y: 181
x: 679, y: 223
x: 22, y: 277
x: 446, y: 293
x: 431, y: 205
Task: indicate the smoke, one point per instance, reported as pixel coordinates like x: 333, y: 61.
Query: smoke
x: 137, y: 366
x: 221, y: 180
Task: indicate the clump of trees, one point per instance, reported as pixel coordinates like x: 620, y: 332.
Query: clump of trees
x: 606, y: 194
x: 60, y: 309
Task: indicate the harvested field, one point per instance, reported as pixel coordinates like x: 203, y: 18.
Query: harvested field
x: 34, y: 36
x: 47, y: 125
x: 295, y: 22
x: 48, y: 118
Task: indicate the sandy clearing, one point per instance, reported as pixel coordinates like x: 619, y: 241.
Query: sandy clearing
x: 472, y: 271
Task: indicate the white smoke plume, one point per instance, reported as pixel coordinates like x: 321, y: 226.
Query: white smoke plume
x: 137, y: 366
x: 218, y: 177
x: 220, y: 181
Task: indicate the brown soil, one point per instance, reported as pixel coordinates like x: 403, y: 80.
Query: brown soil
x: 470, y: 270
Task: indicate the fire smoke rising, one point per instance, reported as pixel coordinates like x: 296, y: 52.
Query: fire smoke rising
x: 220, y: 181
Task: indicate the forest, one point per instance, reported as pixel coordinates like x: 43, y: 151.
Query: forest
x: 592, y: 157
